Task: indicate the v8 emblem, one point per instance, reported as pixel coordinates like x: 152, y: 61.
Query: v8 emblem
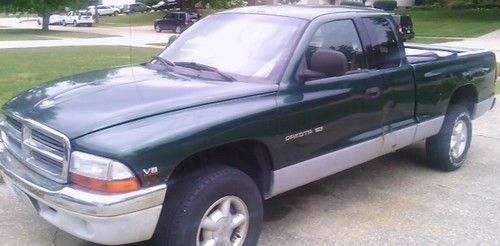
x: 150, y: 171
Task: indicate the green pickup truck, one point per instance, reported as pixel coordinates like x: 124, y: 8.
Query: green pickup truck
x: 244, y: 105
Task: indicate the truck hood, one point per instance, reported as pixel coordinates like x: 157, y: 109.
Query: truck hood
x: 85, y: 103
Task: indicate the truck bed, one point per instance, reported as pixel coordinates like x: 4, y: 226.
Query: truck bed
x: 438, y: 69
x: 417, y: 53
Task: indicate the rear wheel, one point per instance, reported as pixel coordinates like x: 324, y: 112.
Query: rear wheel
x: 64, y: 23
x: 448, y: 149
x: 218, y: 205
x: 75, y: 23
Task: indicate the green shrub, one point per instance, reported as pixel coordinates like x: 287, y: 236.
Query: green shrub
x: 352, y: 3
x: 387, y: 5
x: 150, y: 2
x: 459, y: 5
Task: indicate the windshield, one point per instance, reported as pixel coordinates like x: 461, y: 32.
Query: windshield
x: 249, y: 47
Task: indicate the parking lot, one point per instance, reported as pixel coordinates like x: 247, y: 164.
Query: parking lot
x: 395, y: 199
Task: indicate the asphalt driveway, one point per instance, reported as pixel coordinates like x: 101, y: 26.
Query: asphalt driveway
x: 395, y: 199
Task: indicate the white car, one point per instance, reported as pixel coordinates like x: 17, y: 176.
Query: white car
x: 53, y: 20
x: 104, y: 10
x: 78, y: 18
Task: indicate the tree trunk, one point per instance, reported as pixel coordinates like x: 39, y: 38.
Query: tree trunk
x: 45, y: 22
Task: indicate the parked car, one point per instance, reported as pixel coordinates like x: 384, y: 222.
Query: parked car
x: 405, y: 26
x: 245, y: 105
x: 176, y: 21
x: 53, y: 20
x: 165, y: 5
x: 104, y: 10
x: 136, y: 8
x: 78, y: 18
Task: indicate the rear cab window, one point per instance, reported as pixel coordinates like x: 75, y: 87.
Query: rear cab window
x: 385, y: 51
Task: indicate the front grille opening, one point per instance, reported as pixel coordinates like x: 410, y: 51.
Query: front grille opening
x: 42, y: 149
x: 14, y: 123
x: 48, y: 141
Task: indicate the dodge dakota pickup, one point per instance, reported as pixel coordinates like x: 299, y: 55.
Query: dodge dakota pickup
x: 244, y: 105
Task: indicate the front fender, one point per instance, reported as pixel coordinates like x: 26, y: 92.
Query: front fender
x: 165, y: 140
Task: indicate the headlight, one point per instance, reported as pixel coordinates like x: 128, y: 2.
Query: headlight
x: 101, y: 174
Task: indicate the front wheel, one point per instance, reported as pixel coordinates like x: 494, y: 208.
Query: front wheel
x: 178, y: 29
x: 213, y: 206
x: 75, y: 23
x: 448, y: 149
x: 64, y: 23
x: 157, y: 28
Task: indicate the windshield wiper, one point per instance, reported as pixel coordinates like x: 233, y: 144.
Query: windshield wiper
x: 164, y: 61
x: 202, y: 67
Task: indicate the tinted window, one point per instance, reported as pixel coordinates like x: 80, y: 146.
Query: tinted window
x: 384, y: 42
x: 339, y: 36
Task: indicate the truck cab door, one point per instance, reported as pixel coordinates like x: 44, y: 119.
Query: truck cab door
x: 321, y: 116
x: 395, y: 79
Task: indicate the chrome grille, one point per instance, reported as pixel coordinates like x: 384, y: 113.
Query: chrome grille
x: 39, y: 147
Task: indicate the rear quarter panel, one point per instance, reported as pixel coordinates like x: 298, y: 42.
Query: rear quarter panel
x: 436, y: 81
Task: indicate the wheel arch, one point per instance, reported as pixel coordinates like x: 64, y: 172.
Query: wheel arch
x: 466, y: 95
x: 249, y: 156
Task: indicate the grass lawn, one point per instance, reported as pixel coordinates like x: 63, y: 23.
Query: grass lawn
x: 454, y: 23
x: 431, y: 40
x: 138, y: 19
x: 25, y: 68
x: 38, y: 34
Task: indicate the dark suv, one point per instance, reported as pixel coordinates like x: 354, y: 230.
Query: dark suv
x: 136, y: 8
x: 405, y: 26
x: 176, y: 21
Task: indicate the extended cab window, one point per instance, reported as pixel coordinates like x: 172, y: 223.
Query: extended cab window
x: 339, y: 36
x: 384, y: 43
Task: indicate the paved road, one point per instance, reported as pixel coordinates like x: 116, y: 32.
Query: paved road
x: 490, y: 41
x: 141, y: 36
x: 394, y: 200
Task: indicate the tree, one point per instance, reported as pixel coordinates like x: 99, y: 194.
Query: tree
x: 44, y: 8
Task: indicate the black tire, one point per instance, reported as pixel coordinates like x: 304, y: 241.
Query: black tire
x: 440, y: 154
x: 158, y: 28
x: 178, y: 29
x: 64, y: 23
x: 189, y: 199
x: 75, y: 24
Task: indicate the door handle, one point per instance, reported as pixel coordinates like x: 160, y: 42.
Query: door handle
x: 372, y: 92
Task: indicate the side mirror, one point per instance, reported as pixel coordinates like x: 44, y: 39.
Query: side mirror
x: 172, y: 39
x: 329, y: 62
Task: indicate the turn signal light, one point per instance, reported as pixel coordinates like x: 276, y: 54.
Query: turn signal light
x: 115, y: 186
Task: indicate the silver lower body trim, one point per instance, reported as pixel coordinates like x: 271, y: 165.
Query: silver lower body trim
x: 482, y: 107
x: 322, y: 166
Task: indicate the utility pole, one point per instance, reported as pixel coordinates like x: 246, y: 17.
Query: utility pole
x: 96, y: 13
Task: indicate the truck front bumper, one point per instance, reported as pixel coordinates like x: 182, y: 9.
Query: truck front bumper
x: 97, y: 217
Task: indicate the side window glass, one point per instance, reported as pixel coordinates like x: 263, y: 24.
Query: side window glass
x: 340, y: 36
x: 384, y: 43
